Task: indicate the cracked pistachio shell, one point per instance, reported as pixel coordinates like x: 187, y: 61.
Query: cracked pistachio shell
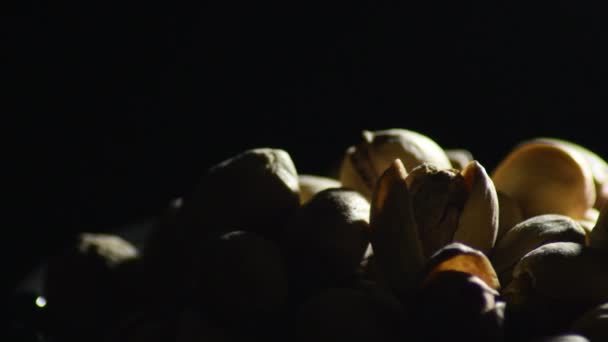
x: 529, y: 235
x: 451, y: 205
x: 598, y: 238
x: 256, y: 190
x: 313, y: 184
x: 546, y: 178
x: 593, y: 324
x: 364, y: 163
x: 459, y: 158
x: 598, y: 166
x: 394, y: 234
x: 509, y: 214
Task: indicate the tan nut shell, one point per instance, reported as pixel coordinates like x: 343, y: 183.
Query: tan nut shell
x: 364, y: 163
x: 394, y: 233
x: 478, y: 223
x: 546, y: 179
x: 459, y: 158
x: 598, y: 166
x: 529, y: 235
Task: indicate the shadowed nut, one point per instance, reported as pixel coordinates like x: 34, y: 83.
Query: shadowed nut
x: 593, y: 324
x: 364, y: 163
x: 326, y: 239
x: 256, y: 190
x: 553, y: 285
x: 458, y: 297
x: 564, y: 338
x: 546, y: 178
x: 313, y: 184
x: 529, y: 235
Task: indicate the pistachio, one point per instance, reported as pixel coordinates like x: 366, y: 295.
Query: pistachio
x: 414, y: 215
x: 312, y: 184
x: 598, y: 167
x: 553, y: 285
x: 364, y: 163
x: 459, y: 158
x: 529, y: 235
x: 394, y: 233
x: 458, y: 297
x: 326, y: 239
x: 593, y: 324
x: 454, y: 206
x: 546, y: 178
x: 256, y: 190
x: 509, y: 214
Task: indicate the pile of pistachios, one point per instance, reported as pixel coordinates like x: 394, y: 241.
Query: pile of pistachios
x: 410, y: 242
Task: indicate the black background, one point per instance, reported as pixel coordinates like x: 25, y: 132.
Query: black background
x: 121, y: 105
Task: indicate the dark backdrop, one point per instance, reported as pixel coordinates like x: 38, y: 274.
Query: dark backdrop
x: 121, y: 105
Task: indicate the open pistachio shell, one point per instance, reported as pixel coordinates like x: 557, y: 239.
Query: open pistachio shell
x: 593, y: 324
x: 529, y: 235
x: 546, y: 178
x: 313, y: 184
x: 598, y: 166
x: 478, y: 223
x: 364, y: 163
x: 394, y: 233
x: 598, y: 238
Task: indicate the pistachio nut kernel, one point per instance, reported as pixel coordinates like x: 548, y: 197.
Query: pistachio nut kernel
x: 364, y: 163
x: 438, y: 198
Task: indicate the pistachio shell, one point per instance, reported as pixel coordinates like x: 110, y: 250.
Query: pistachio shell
x: 529, y: 235
x: 598, y: 166
x: 478, y: 222
x: 394, y: 233
x: 593, y: 324
x: 256, y: 190
x: 313, y: 184
x: 438, y: 198
x: 546, y: 179
x: 326, y: 239
x: 461, y: 258
x: 509, y: 214
x: 563, y: 271
x: 459, y: 158
x: 364, y: 163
